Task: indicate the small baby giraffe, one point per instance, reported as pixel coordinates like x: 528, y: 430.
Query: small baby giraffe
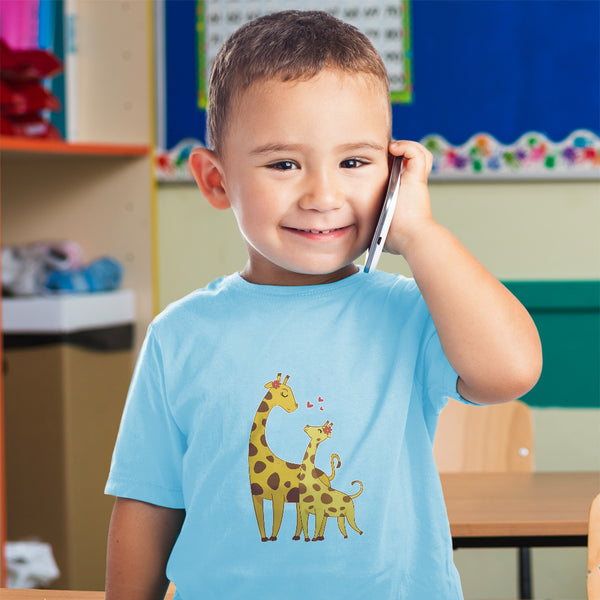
x: 317, y: 499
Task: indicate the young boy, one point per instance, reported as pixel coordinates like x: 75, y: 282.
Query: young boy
x: 219, y: 481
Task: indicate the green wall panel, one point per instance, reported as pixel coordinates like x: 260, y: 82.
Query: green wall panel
x: 567, y: 315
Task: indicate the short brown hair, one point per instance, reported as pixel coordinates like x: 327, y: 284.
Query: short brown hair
x: 289, y: 45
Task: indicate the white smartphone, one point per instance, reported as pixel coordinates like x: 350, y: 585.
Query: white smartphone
x: 387, y: 213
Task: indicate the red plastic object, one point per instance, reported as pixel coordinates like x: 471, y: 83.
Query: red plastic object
x: 27, y: 64
x: 30, y: 125
x: 21, y: 97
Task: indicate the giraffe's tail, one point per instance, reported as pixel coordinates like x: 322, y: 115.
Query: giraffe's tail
x: 360, y: 491
x: 333, y: 466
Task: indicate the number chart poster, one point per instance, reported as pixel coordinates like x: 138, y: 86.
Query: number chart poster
x: 494, y: 88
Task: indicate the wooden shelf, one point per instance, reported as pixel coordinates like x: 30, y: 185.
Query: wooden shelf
x: 25, y: 146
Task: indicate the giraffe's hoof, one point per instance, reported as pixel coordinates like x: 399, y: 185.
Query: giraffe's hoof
x: 319, y: 538
x: 296, y: 537
x: 273, y: 538
x: 307, y: 539
x: 264, y: 539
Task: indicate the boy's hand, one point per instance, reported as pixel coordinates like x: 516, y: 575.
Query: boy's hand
x: 413, y: 210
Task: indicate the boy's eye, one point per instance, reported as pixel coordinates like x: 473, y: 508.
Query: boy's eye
x: 352, y: 163
x: 283, y: 165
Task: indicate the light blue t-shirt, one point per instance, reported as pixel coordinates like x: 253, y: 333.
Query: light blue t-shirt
x: 216, y: 422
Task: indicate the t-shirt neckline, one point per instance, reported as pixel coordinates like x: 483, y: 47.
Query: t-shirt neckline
x: 237, y: 281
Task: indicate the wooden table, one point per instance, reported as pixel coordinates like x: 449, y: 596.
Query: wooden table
x: 519, y: 509
x: 6, y: 594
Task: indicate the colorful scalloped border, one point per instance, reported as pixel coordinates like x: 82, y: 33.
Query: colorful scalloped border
x: 533, y: 155
x: 481, y: 157
x: 172, y: 165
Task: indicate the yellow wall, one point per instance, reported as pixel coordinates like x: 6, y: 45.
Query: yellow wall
x: 518, y: 230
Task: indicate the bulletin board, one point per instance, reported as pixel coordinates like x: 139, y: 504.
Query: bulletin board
x: 494, y: 88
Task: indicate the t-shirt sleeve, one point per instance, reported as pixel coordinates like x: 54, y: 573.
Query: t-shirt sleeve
x: 148, y: 455
x: 437, y: 376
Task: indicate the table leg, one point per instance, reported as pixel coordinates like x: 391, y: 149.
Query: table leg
x: 525, y: 591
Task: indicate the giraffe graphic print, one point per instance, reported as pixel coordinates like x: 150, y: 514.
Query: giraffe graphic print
x: 274, y: 479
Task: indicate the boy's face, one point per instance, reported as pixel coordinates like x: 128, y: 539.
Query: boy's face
x: 304, y: 167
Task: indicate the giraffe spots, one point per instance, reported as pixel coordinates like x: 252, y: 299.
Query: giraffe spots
x: 303, y: 468
x: 301, y: 476
x: 293, y: 495
x: 293, y: 466
x: 312, y: 459
x: 264, y: 407
x: 256, y: 489
x: 302, y: 488
x: 259, y: 466
x: 332, y: 509
x: 305, y: 456
x: 252, y: 450
x: 316, y: 487
x: 287, y: 484
x: 254, y: 426
x: 326, y: 498
x: 347, y: 499
x: 273, y: 481
x: 263, y: 440
x: 315, y: 473
x: 264, y: 422
x: 270, y: 458
x: 308, y: 499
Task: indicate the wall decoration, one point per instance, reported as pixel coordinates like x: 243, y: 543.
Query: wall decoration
x: 386, y: 23
x: 533, y: 155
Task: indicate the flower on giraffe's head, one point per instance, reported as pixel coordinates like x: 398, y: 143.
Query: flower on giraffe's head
x: 276, y: 383
x: 327, y: 429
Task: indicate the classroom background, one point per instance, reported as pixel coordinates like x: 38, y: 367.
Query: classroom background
x: 505, y: 93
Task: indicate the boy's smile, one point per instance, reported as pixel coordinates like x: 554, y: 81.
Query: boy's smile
x: 304, y: 168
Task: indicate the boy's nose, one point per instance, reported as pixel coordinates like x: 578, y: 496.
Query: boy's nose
x: 321, y: 193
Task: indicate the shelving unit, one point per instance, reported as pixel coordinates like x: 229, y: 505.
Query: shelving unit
x: 97, y: 190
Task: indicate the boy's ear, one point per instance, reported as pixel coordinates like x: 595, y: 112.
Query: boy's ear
x: 206, y: 168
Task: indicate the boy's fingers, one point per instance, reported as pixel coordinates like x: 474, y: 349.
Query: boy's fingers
x: 418, y: 159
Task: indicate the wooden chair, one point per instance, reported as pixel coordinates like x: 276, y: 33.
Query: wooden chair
x: 474, y: 439
x: 486, y: 439
x: 593, y: 557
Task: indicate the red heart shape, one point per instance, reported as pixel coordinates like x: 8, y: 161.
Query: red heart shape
x: 321, y: 399
x: 309, y: 405
x: 320, y: 408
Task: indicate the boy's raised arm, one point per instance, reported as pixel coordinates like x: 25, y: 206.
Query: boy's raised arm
x: 140, y: 540
x: 486, y: 333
